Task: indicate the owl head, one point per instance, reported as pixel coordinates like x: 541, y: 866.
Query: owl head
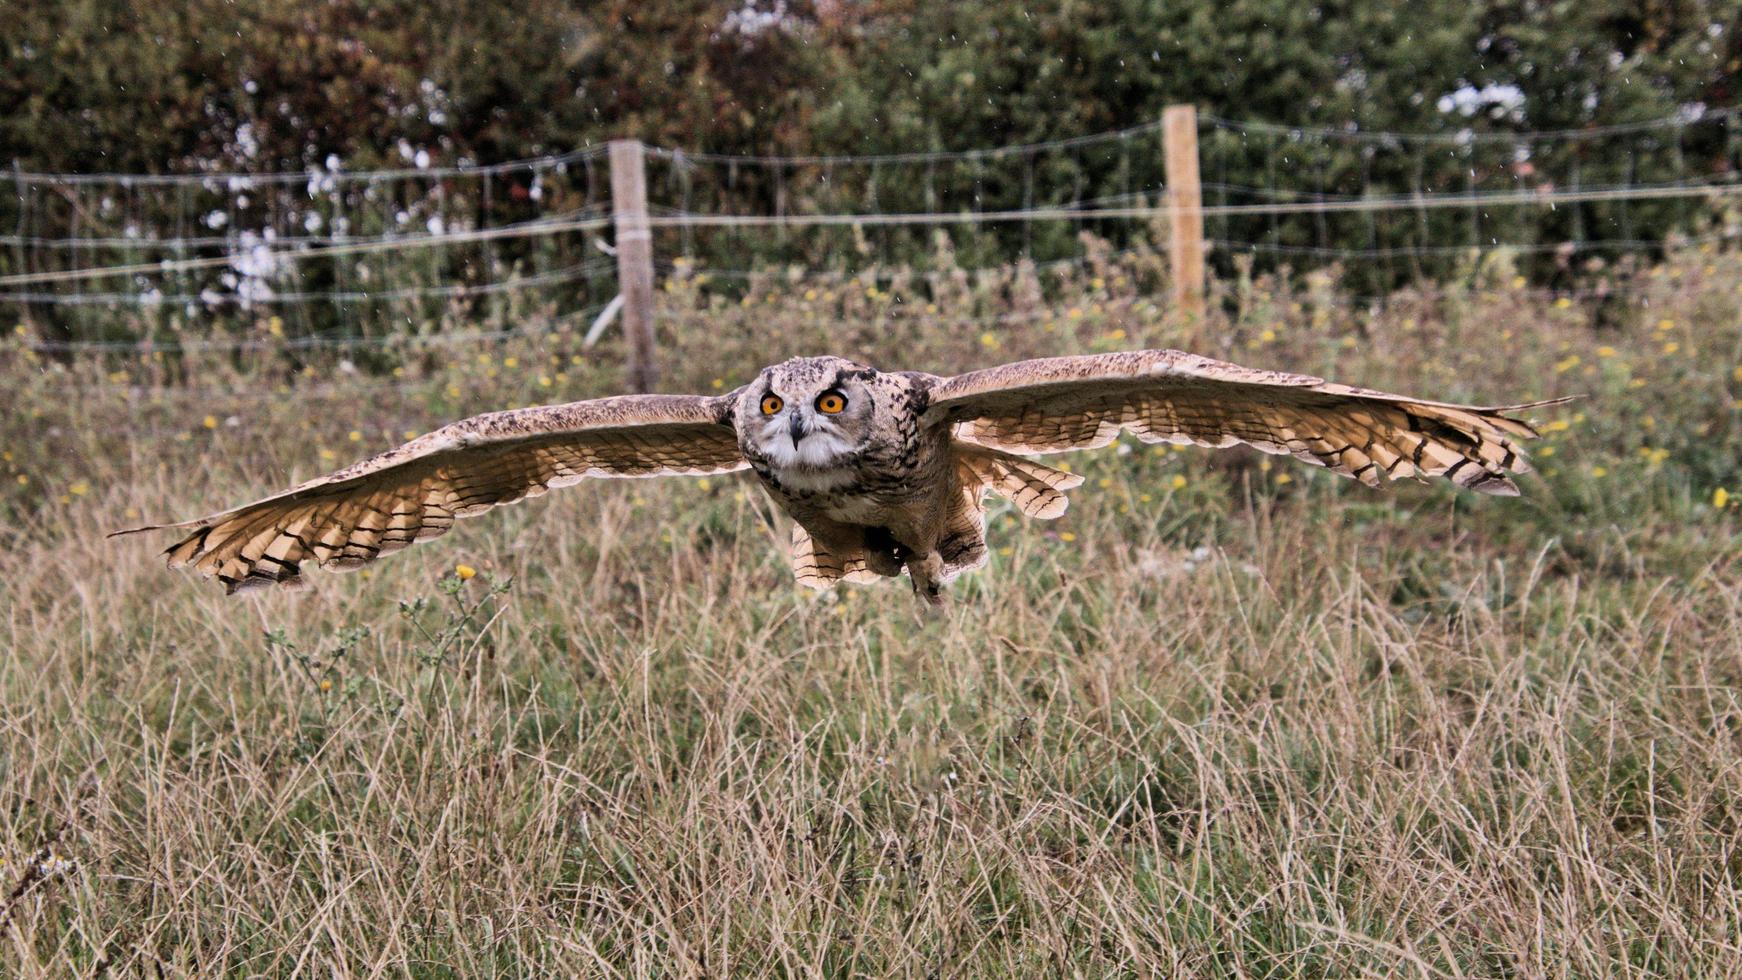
x: 809, y: 414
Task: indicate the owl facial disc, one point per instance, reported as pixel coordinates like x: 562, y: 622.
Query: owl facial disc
x: 809, y: 419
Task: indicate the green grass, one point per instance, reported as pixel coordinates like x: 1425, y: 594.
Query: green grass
x: 1226, y: 717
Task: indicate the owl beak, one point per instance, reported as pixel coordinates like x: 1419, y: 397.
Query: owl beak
x: 795, y: 428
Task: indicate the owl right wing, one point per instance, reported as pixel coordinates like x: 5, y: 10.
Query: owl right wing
x: 414, y: 492
x: 1057, y: 404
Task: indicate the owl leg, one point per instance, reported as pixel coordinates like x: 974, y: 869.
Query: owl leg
x: 927, y: 575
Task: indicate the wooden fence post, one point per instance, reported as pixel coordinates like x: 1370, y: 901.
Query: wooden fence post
x: 1185, y: 202
x: 634, y: 259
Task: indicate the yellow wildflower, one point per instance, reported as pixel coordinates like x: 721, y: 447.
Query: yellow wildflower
x: 465, y: 572
x: 1720, y: 498
x: 1178, y: 482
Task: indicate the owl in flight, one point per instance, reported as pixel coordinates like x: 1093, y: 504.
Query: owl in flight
x: 882, y: 472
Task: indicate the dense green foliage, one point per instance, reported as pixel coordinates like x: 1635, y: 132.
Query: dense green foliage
x: 155, y: 87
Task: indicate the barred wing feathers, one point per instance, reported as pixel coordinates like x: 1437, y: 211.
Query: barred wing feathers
x: 1063, y: 403
x: 416, y: 491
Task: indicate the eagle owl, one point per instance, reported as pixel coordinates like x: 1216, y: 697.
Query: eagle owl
x: 882, y: 472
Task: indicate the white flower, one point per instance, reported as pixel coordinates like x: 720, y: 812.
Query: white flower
x: 54, y: 864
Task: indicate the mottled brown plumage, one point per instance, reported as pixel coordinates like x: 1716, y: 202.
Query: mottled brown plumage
x: 881, y: 472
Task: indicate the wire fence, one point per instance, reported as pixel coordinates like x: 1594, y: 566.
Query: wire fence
x: 96, y: 261
x: 341, y: 260
x: 324, y: 176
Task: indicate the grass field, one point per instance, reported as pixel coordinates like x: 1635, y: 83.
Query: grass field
x: 1226, y: 717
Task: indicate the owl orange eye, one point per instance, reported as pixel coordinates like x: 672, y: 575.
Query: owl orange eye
x: 771, y: 404
x: 831, y: 403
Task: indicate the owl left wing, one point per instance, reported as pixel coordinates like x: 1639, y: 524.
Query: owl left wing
x: 416, y: 491
x: 1057, y: 404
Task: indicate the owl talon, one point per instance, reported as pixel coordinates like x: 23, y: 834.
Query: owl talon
x: 927, y: 575
x: 931, y: 592
x: 883, y: 554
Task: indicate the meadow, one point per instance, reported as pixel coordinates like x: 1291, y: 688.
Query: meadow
x: 1229, y: 716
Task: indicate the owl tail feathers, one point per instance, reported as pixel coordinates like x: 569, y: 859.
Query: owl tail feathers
x: 819, y: 566
x: 1038, y: 490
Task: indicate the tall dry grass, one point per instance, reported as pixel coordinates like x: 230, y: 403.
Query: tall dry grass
x: 1224, y: 718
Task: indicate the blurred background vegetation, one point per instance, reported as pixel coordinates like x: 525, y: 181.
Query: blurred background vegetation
x: 1363, y: 99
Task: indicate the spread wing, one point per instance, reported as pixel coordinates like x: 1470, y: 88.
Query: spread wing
x: 1061, y: 403
x: 414, y: 492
